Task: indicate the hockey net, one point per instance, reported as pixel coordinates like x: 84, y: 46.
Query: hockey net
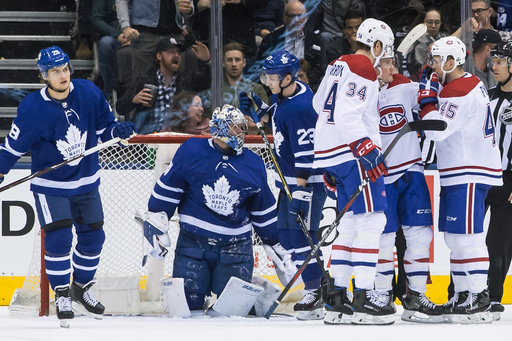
x: 128, y: 176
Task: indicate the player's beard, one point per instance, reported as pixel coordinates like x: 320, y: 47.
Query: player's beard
x: 172, y: 65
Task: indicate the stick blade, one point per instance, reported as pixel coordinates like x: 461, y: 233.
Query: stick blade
x: 430, y: 125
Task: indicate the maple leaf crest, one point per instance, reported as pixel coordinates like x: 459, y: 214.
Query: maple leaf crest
x: 73, y: 145
x: 278, y: 139
x: 219, y: 198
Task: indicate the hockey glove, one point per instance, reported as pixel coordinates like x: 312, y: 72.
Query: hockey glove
x: 254, y: 100
x: 429, y: 87
x: 330, y: 185
x: 283, y: 263
x: 154, y: 228
x: 370, y: 157
x: 301, y: 198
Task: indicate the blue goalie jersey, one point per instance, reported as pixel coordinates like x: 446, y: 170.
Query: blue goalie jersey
x: 218, y: 196
x: 58, y: 130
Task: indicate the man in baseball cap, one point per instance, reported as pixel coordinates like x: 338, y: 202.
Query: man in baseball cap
x: 483, y: 42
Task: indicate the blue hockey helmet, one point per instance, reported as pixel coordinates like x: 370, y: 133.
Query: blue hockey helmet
x: 280, y: 63
x: 224, y: 123
x: 50, y: 58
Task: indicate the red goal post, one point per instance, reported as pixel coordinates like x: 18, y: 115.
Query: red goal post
x: 127, y: 179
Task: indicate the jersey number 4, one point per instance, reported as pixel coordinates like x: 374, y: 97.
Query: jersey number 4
x: 330, y: 102
x: 489, y: 128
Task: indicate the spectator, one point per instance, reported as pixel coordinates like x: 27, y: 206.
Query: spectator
x: 268, y: 19
x: 104, y: 22
x: 84, y: 48
x: 347, y: 43
x: 147, y: 22
x: 165, y: 74
x: 504, y: 16
x: 303, y: 75
x: 237, y: 22
x: 234, y: 62
x: 482, y: 11
x: 186, y: 115
x: 294, y: 38
x: 333, y: 22
x: 436, y: 28
x: 483, y: 42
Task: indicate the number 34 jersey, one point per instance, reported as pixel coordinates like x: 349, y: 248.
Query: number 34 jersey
x: 346, y: 103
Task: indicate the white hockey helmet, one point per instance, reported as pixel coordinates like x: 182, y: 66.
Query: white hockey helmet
x: 221, y: 126
x: 449, y: 46
x: 371, y: 31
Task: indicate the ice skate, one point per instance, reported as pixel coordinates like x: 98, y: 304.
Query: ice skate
x: 457, y: 298
x: 476, y: 309
x: 338, y: 306
x: 311, y: 307
x: 84, y: 302
x: 63, y: 305
x: 496, y: 309
x: 370, y: 307
x: 418, y: 308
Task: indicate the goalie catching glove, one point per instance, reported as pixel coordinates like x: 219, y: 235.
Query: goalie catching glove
x: 154, y: 228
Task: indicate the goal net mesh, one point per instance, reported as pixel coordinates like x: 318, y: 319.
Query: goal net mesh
x: 127, y: 179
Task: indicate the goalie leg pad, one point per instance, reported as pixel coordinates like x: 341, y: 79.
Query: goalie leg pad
x: 237, y: 298
x: 172, y: 297
x: 269, y: 295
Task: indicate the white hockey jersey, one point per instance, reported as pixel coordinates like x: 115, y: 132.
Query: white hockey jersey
x: 467, y: 151
x: 346, y: 103
x: 397, y: 100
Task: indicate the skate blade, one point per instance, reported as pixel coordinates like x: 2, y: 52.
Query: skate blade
x: 367, y: 319
x: 335, y: 318
x: 496, y: 315
x: 64, y: 323
x: 78, y: 308
x: 304, y: 315
x: 419, y: 317
x: 476, y: 318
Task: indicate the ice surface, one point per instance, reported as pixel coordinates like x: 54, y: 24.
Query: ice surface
x: 282, y: 328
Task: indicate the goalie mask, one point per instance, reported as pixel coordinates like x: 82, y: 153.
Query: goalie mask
x: 372, y: 31
x: 50, y: 58
x: 230, y: 126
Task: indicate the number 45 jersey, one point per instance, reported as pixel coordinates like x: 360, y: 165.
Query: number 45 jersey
x: 346, y: 103
x: 467, y: 151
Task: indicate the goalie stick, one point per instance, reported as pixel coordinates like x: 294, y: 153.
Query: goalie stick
x: 429, y: 125
x: 299, y: 218
x: 60, y: 164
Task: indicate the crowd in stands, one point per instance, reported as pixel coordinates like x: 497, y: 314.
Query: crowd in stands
x: 133, y: 41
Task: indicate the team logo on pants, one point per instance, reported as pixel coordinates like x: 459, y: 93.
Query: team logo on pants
x: 392, y: 119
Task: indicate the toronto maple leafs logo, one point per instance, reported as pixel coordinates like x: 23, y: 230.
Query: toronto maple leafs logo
x: 219, y: 198
x: 73, y: 145
x: 278, y: 139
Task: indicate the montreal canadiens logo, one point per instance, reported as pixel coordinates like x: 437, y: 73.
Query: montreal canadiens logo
x: 392, y: 119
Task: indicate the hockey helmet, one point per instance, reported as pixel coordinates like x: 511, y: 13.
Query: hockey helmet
x: 503, y: 50
x: 222, y: 123
x: 50, y: 58
x: 280, y: 63
x: 371, y: 31
x: 449, y: 46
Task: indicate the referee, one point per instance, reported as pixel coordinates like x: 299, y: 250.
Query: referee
x: 499, y: 235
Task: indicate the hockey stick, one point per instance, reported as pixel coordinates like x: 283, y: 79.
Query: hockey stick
x: 431, y: 125
x: 411, y: 37
x: 60, y: 164
x: 299, y: 218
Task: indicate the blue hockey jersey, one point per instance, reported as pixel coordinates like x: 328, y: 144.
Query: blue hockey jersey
x: 54, y: 131
x: 293, y: 124
x: 218, y: 196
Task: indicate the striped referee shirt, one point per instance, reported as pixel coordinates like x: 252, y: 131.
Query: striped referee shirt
x: 501, y: 102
